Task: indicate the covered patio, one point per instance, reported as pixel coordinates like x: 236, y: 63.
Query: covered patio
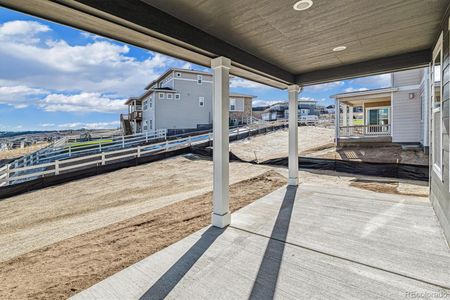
x: 300, y: 244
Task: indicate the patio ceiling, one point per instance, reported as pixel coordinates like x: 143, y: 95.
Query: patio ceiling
x: 267, y: 41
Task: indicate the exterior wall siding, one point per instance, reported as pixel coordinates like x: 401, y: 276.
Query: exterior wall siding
x: 407, y: 78
x: 440, y: 195
x: 406, y: 115
x: 186, y: 112
x: 242, y: 115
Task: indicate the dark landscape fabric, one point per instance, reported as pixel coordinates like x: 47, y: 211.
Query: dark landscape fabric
x: 403, y: 171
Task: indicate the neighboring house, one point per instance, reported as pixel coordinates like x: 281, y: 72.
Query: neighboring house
x: 396, y: 114
x: 181, y: 101
x: 308, y: 108
x: 275, y: 112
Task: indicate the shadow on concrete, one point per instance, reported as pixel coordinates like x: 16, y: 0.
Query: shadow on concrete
x: 267, y: 278
x: 172, y: 277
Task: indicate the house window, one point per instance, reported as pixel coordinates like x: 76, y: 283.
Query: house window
x: 169, y: 96
x: 201, y: 101
x: 177, y: 96
x: 145, y: 125
x: 145, y: 105
x: 236, y: 104
x: 160, y: 84
x: 150, y: 102
x: 161, y: 95
x: 436, y: 94
x: 150, y: 123
x: 199, y: 79
x: 178, y: 74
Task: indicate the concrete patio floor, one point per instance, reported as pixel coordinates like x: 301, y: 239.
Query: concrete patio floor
x: 310, y: 242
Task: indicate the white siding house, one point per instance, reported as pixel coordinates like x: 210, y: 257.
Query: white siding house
x: 395, y: 114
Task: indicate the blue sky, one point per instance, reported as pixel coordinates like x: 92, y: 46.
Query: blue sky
x: 54, y: 77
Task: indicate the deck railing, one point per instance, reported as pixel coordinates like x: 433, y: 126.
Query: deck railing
x: 365, y: 130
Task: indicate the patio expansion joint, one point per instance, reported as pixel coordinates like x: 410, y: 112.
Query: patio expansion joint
x: 343, y: 258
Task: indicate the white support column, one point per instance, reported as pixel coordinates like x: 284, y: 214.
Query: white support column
x: 221, y: 104
x: 350, y: 115
x: 337, y: 121
x: 344, y: 115
x: 293, y: 91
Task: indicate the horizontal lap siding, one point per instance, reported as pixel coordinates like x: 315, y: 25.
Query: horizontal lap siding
x: 406, y: 117
x: 440, y: 195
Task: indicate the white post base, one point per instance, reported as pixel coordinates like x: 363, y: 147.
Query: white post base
x: 221, y: 221
x: 293, y: 181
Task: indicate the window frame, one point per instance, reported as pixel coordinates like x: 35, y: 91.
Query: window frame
x: 171, y: 96
x: 437, y: 169
x: 145, y: 105
x: 145, y: 125
x: 201, y: 101
x: 161, y: 95
x: 199, y: 79
x: 179, y: 96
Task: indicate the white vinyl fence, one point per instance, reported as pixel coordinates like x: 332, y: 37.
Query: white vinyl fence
x: 108, y: 154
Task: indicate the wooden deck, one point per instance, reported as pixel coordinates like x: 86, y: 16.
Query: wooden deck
x: 310, y: 242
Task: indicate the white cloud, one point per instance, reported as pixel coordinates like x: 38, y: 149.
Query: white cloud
x: 260, y: 102
x: 101, y: 66
x: 47, y: 125
x: 244, y: 83
x: 84, y: 102
x: 19, y: 96
x: 377, y: 81
x: 22, y: 31
x: 324, y: 86
x: 95, y: 125
x: 350, y: 89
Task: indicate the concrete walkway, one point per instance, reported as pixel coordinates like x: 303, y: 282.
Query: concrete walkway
x: 310, y: 242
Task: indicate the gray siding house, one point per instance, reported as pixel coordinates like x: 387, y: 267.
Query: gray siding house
x: 181, y: 101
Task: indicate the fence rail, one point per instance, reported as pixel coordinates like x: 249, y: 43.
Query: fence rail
x: 365, y: 130
x: 14, y: 175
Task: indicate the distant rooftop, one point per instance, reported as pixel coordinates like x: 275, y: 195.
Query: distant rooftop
x: 364, y: 93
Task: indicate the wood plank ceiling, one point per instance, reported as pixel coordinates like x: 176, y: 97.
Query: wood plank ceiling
x: 302, y: 41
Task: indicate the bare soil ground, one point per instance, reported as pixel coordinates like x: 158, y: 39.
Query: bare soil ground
x: 316, y: 141
x: 57, y: 241
x: 34, y: 220
x: 275, y: 144
x: 15, y: 153
x: 64, y: 268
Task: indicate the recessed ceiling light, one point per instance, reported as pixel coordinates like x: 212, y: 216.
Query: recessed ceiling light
x: 303, y: 4
x: 339, y: 48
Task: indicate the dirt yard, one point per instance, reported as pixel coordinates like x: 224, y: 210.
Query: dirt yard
x: 34, y: 220
x: 318, y: 142
x: 61, y: 269
x: 275, y: 144
x: 60, y: 240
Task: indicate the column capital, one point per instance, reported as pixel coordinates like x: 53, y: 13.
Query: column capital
x: 220, y: 62
x: 294, y: 88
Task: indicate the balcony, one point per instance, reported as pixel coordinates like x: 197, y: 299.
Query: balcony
x: 135, y: 115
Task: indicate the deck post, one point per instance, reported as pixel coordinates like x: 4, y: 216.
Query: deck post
x: 350, y: 115
x: 345, y: 115
x: 337, y: 121
x: 221, y: 216
x: 293, y: 91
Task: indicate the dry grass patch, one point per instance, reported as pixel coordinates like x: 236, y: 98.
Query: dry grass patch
x: 67, y: 267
